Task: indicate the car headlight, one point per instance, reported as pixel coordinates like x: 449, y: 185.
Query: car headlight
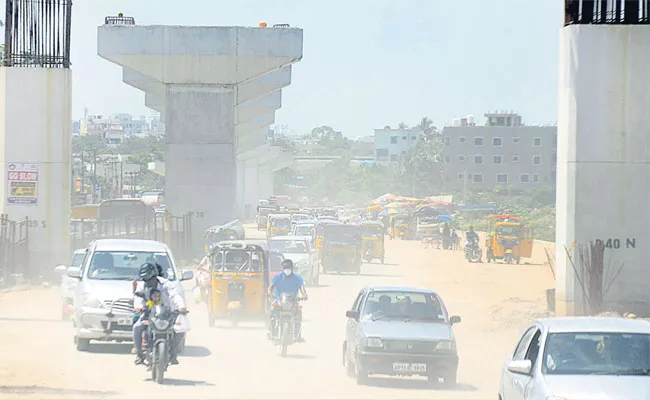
x: 445, y: 345
x: 374, y: 342
x: 92, y: 302
x: 161, y: 324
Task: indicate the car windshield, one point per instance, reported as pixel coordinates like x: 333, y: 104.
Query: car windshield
x: 303, y: 230
x: 512, y: 231
x: 346, y: 237
x: 371, y: 231
x: 237, y: 261
x: 403, y: 306
x: 125, y: 265
x: 597, y: 354
x: 281, y: 222
x: 289, y: 246
x: 77, y: 259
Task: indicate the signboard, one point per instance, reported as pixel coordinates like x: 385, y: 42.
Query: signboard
x: 22, y: 183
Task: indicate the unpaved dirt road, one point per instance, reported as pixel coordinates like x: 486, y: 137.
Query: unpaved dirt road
x: 495, y: 301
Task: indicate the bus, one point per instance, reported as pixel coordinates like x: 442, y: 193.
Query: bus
x: 120, y: 209
x: 86, y: 212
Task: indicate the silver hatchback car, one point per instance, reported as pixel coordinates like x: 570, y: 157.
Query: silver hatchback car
x: 566, y: 358
x: 103, y: 299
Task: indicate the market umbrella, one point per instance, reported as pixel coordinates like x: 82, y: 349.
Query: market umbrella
x: 445, y: 218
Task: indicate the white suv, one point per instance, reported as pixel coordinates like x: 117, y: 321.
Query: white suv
x: 103, y: 301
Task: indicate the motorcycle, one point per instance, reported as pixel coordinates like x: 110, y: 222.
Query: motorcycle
x: 509, y: 256
x: 286, y: 310
x: 159, y: 339
x: 473, y: 251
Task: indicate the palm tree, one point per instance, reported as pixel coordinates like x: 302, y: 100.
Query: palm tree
x: 427, y: 127
x: 402, y: 126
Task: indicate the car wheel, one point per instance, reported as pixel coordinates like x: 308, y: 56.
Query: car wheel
x: 349, y: 366
x: 450, y: 379
x: 82, y: 344
x: 362, y: 375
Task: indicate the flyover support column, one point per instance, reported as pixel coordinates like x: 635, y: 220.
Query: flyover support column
x: 265, y: 178
x: 604, y: 164
x: 200, y: 154
x: 251, y: 192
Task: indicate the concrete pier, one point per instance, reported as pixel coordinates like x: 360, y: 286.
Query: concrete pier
x: 603, y: 175
x: 218, y: 88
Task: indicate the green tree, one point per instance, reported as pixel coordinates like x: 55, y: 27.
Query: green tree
x: 402, y: 126
x: 421, y: 167
x: 89, y: 143
x: 427, y: 127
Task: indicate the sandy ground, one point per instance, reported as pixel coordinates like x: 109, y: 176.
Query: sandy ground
x: 495, y: 301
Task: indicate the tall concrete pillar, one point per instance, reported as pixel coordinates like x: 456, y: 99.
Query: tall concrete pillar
x: 200, y: 151
x: 35, y: 136
x: 207, y: 72
x: 603, y: 175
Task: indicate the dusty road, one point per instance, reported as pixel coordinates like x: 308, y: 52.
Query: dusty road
x: 495, y: 302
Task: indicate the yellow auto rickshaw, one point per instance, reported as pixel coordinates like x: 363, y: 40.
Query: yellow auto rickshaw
x: 372, y: 239
x: 319, y: 231
x: 239, y: 281
x: 400, y: 226
x: 278, y: 225
x: 509, y: 239
x: 263, y: 216
x: 341, y: 250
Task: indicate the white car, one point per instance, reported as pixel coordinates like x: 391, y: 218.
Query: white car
x: 68, y: 285
x: 303, y: 228
x: 579, y: 358
x: 299, y: 250
x: 103, y: 302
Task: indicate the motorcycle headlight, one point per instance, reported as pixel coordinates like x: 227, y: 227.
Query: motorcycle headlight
x: 161, y: 324
x: 374, y: 342
x: 445, y: 345
x: 92, y: 302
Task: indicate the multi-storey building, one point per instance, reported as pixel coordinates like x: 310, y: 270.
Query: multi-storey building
x: 502, y: 153
x: 391, y: 144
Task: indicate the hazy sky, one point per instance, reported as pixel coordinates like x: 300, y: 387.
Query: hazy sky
x: 366, y: 63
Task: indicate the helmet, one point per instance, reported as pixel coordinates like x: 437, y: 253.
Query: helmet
x: 148, y: 271
x: 287, y: 264
x: 471, y: 227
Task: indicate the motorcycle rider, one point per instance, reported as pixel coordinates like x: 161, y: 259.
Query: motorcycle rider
x: 149, y: 279
x: 472, y: 238
x: 286, y: 282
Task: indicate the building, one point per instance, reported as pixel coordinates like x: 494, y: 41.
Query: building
x: 76, y: 128
x: 391, y: 144
x: 157, y: 125
x: 132, y: 127
x: 502, y: 153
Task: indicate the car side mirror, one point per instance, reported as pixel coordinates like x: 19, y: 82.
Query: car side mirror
x: 73, y: 272
x: 352, y: 314
x: 187, y: 274
x: 454, y: 319
x: 523, y: 367
x: 61, y: 269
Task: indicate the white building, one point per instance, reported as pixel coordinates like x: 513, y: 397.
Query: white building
x: 391, y: 144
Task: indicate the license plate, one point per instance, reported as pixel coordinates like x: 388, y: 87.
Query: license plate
x: 408, y: 367
x: 124, y: 321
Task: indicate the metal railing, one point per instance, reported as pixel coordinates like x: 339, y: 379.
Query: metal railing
x: 119, y: 20
x: 176, y: 232
x: 14, y: 251
x: 613, y: 12
x: 37, y: 33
